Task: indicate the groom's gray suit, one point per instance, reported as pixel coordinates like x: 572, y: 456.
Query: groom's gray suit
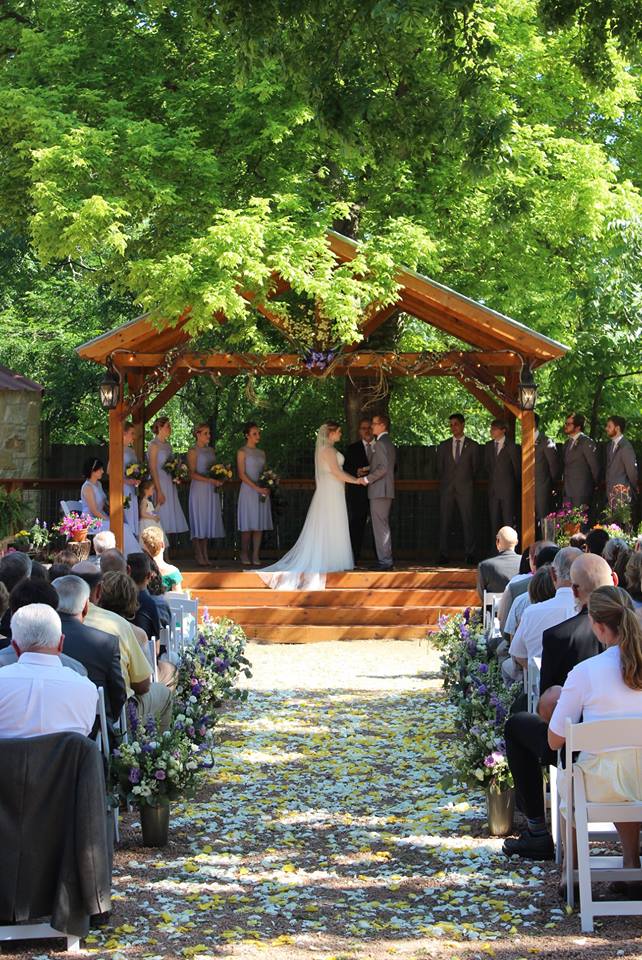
x: 381, y: 492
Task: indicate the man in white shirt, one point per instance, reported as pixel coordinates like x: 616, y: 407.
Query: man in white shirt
x: 37, y: 694
x: 537, y: 618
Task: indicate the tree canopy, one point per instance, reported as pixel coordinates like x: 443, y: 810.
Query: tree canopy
x: 165, y: 158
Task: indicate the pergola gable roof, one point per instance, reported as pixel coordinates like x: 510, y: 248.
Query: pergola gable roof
x: 471, y: 322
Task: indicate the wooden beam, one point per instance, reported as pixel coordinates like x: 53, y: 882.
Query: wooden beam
x: 179, y: 379
x: 528, y: 478
x: 377, y: 318
x: 491, y: 405
x: 116, y: 473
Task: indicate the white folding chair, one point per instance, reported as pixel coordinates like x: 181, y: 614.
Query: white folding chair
x: 532, y: 683
x: 36, y: 931
x: 152, y: 657
x: 184, y: 619
x: 102, y: 742
x: 595, y: 821
x: 489, y: 614
x: 71, y: 506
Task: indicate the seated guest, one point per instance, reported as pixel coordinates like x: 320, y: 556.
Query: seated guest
x: 146, y: 616
x: 112, y: 561
x: 540, y: 588
x: 133, y: 662
x: 37, y: 694
x: 494, y: 573
x: 38, y: 571
x: 526, y: 734
x: 578, y: 540
x: 153, y: 543
x: 97, y: 651
x: 157, y: 591
x: 35, y: 591
x: 527, y: 641
x: 519, y: 583
x: 608, y: 686
x: 543, y: 558
x: 617, y: 553
x: 596, y: 540
x: 103, y: 541
x: 14, y: 567
x: 120, y: 595
x: 58, y: 570
x: 633, y: 578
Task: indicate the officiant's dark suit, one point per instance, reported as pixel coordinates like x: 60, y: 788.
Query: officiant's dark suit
x: 358, y: 455
x: 457, y: 465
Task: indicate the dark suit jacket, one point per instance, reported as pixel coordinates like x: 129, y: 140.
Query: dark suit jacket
x: 581, y: 470
x: 493, y: 574
x: 457, y: 477
x: 54, y: 832
x: 356, y: 457
x: 504, y: 471
x: 548, y: 470
x: 564, y: 646
x: 147, y: 615
x: 99, y: 652
x: 621, y: 466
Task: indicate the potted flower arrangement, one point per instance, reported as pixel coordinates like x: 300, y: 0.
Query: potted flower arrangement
x: 221, y: 471
x: 77, y: 526
x: 618, y: 510
x: 567, y: 521
x: 474, y: 685
x: 177, y: 469
x: 152, y: 770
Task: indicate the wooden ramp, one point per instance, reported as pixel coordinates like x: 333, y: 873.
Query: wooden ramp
x: 358, y: 605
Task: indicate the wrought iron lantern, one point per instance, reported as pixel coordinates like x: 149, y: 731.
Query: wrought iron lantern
x: 109, y: 389
x: 527, y: 389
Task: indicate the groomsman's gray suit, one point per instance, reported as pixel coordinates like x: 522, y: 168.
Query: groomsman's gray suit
x: 621, y: 466
x: 381, y: 492
x: 548, y: 471
x: 456, y: 478
x: 581, y: 470
x: 504, y: 471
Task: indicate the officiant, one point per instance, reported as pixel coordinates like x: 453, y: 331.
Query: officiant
x: 357, y: 463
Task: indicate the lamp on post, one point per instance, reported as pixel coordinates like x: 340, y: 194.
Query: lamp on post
x: 109, y: 389
x: 527, y: 388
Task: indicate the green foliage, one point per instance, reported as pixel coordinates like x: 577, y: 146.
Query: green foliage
x: 13, y: 512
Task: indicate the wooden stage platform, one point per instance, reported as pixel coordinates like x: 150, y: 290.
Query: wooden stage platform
x: 403, y: 604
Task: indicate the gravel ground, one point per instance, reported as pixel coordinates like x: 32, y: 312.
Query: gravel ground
x: 327, y: 830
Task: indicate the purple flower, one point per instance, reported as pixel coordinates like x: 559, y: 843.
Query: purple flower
x: 160, y: 775
x: 134, y: 775
x: 471, y: 646
x: 464, y: 631
x: 483, y: 668
x: 147, y: 748
x: 466, y: 614
x: 482, y: 689
x: 191, y: 731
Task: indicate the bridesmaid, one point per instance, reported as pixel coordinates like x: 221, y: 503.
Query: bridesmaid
x: 92, y: 495
x: 254, y: 516
x: 205, y: 517
x: 129, y: 457
x: 159, y: 451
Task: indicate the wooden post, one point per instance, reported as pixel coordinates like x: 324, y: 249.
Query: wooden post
x: 135, y: 381
x: 116, y: 473
x: 528, y: 478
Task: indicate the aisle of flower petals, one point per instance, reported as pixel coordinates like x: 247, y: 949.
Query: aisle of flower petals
x: 327, y: 826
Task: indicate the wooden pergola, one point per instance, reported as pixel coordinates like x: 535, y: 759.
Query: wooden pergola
x: 155, y: 362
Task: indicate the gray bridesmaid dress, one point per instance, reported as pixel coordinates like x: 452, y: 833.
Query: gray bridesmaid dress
x: 252, y: 514
x: 205, y: 516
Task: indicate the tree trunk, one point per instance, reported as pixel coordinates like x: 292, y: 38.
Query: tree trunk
x: 358, y: 402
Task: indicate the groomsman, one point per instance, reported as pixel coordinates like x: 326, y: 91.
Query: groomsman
x: 381, y: 489
x: 357, y: 462
x: 503, y: 466
x: 457, y: 464
x: 548, y: 471
x: 621, y: 463
x: 581, y: 466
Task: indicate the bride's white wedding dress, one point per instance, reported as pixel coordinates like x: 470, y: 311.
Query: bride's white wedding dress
x: 324, y: 542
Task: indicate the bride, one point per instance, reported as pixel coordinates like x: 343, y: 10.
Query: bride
x: 324, y: 542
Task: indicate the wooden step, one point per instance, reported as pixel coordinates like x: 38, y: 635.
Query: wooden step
x: 336, y: 598
x: 352, y: 579
x: 384, y: 616
x: 280, y: 633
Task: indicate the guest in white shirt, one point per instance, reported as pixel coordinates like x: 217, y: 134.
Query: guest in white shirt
x: 527, y: 641
x: 37, y: 694
x: 608, y: 686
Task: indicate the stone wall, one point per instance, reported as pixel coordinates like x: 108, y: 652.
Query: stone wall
x: 19, y: 433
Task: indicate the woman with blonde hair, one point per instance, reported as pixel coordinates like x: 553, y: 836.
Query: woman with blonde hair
x: 153, y: 542
x: 608, y: 686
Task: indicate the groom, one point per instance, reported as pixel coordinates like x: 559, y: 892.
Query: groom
x: 381, y: 488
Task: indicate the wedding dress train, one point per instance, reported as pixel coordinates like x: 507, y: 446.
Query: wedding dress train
x: 324, y: 542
